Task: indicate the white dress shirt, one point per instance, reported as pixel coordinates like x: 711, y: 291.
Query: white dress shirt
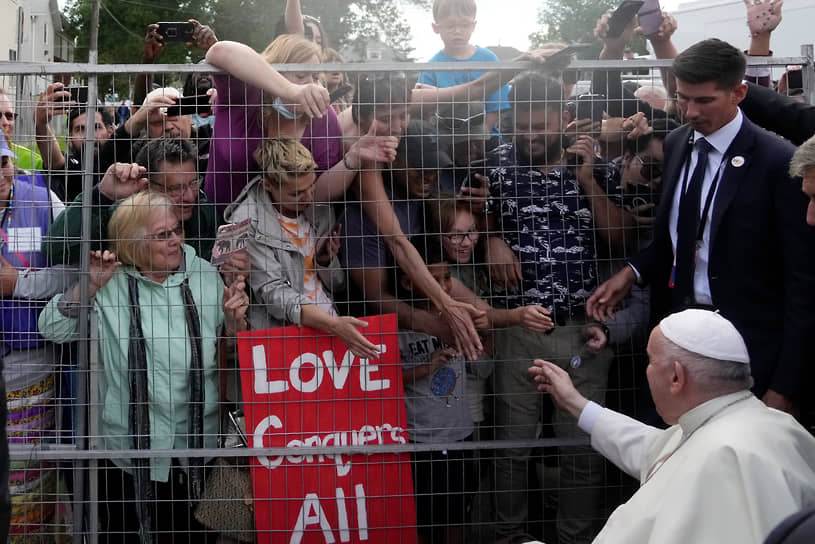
x: 720, y: 141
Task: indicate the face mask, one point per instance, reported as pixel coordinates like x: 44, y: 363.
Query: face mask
x: 198, y: 121
x: 283, y: 110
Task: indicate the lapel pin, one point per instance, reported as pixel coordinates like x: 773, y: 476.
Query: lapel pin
x: 737, y: 161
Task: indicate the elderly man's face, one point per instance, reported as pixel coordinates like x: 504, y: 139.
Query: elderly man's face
x: 809, y: 189
x: 177, y: 126
x: 179, y: 180
x: 660, y: 373
x: 7, y: 117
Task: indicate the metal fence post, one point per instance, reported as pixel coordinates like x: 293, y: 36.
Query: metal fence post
x: 85, y: 342
x: 808, y: 51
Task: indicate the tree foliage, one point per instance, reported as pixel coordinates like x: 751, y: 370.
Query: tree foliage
x: 571, y: 21
x: 122, y: 25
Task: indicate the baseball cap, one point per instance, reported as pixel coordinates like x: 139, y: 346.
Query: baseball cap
x: 462, y: 121
x: 420, y: 147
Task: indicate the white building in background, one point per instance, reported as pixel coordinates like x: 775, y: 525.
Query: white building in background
x: 9, y: 13
x: 32, y: 31
x: 726, y: 20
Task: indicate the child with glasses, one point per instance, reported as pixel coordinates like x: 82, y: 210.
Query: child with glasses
x: 454, y: 22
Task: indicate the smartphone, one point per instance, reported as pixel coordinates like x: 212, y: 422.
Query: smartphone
x: 79, y: 94
x: 176, y: 31
x: 622, y: 16
x: 567, y: 52
x: 187, y: 105
x: 340, y: 91
x: 590, y: 106
x: 476, y: 167
x: 795, y: 79
x: 650, y: 17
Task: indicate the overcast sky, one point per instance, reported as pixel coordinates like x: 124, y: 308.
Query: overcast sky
x: 500, y: 22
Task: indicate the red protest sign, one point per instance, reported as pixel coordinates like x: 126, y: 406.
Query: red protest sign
x: 303, y: 388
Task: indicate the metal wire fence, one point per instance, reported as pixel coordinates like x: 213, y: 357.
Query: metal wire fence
x: 141, y: 406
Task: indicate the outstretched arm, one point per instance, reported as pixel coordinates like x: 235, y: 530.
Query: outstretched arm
x: 376, y: 205
x: 247, y: 65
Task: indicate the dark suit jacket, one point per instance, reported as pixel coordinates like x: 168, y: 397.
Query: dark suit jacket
x: 778, y: 113
x: 762, y: 255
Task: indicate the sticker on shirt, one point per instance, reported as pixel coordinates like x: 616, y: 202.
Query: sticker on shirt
x: 24, y: 239
x: 443, y: 383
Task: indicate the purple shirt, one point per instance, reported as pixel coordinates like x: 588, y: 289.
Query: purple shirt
x: 238, y: 132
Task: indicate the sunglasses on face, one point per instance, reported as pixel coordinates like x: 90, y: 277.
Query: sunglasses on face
x: 9, y: 115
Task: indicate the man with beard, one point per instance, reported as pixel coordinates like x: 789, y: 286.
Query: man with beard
x: 546, y: 218
x: 65, y: 170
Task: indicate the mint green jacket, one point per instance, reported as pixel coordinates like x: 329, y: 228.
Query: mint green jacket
x: 168, y: 354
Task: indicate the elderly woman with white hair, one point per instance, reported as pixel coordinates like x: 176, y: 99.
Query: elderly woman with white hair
x: 161, y: 309
x: 802, y: 165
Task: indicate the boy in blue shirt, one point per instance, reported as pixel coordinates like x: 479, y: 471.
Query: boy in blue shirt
x: 454, y: 22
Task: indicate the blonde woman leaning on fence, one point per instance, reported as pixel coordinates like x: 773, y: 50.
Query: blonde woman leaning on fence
x: 160, y: 311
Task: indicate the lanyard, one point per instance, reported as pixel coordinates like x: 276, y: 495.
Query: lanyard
x: 7, y: 216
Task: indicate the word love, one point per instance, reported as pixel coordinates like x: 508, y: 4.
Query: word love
x: 338, y: 371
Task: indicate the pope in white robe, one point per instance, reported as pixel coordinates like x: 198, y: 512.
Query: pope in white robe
x: 728, y: 470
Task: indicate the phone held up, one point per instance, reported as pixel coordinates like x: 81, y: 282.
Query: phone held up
x: 180, y: 31
x: 622, y: 16
x: 188, y: 105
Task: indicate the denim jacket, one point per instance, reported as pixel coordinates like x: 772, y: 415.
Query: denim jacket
x: 278, y: 268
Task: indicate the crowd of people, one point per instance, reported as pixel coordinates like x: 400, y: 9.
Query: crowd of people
x: 503, y: 220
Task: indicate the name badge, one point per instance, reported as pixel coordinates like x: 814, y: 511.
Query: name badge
x: 24, y: 239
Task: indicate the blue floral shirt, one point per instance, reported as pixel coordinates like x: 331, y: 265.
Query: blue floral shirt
x: 547, y: 222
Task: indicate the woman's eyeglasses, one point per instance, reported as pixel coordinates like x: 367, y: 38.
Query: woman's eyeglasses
x: 458, y: 237
x: 167, y: 234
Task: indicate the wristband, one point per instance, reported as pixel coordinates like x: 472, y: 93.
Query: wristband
x: 345, y: 163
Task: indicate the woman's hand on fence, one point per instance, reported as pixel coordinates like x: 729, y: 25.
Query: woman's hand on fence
x: 102, y: 267
x: 310, y: 99
x: 236, y: 304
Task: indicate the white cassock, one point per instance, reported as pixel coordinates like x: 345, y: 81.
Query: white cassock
x: 729, y: 472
